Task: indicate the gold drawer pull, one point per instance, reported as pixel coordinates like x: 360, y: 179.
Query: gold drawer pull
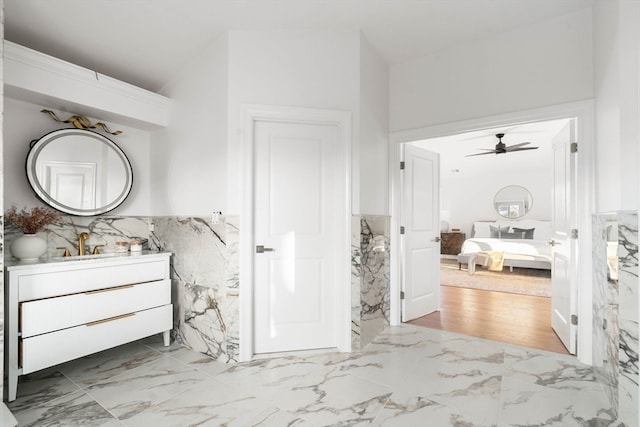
x: 100, y: 291
x: 110, y: 319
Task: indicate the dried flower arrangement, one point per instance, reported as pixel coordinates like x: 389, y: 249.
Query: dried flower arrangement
x: 30, y: 221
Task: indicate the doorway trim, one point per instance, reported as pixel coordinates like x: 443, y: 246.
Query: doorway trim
x: 250, y: 114
x: 583, y: 111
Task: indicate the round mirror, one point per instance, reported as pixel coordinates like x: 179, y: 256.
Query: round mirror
x: 513, y: 202
x: 79, y: 172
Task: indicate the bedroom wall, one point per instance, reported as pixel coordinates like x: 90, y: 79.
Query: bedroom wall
x: 470, y: 198
x: 534, y: 66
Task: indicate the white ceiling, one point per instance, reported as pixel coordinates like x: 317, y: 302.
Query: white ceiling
x: 144, y: 42
x: 453, y: 150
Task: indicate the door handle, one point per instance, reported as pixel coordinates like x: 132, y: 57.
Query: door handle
x: 552, y: 242
x: 261, y: 249
x: 436, y: 239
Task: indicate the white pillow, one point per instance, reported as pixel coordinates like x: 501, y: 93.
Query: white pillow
x: 481, y: 229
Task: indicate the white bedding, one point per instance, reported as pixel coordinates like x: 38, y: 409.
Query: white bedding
x: 527, y: 253
x: 508, y: 246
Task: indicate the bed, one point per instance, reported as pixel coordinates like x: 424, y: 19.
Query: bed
x: 507, y: 244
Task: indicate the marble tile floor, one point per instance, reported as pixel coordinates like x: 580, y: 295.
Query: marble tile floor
x: 407, y: 376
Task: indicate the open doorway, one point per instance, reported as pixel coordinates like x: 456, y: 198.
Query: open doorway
x: 498, y: 253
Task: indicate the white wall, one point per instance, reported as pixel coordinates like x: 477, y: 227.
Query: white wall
x: 630, y: 104
x: 607, y: 92
x: 374, y: 130
x: 189, y: 157
x: 470, y: 198
x: 534, y: 66
x: 617, y: 75
x: 314, y: 69
x: 197, y: 160
x: 23, y: 122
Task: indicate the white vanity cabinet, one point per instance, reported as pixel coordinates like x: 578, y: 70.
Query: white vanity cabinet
x: 61, y: 310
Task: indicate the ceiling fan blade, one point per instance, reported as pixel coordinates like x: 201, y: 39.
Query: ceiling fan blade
x: 523, y: 148
x: 514, y: 146
x: 480, y: 154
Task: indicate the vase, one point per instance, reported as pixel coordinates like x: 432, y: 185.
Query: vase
x: 29, y: 247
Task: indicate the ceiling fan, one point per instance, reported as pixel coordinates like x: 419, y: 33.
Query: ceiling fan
x: 501, y: 147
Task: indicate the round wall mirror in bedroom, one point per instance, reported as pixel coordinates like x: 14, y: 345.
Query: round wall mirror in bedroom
x: 512, y: 201
x: 79, y: 172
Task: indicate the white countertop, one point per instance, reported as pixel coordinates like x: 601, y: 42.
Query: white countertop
x: 79, y: 260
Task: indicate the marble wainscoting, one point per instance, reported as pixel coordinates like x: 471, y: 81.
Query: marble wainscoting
x: 628, y: 317
x: 356, y: 283
x: 615, y: 311
x: 605, y: 304
x: 102, y: 230
x: 205, y: 282
x: 370, y: 278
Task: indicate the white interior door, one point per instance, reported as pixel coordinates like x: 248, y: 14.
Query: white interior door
x: 564, y: 270
x: 71, y: 183
x: 296, y: 274
x: 420, y: 241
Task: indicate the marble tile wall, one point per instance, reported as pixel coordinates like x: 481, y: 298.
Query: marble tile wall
x: 356, y: 279
x: 205, y: 272
x: 374, y: 292
x: 102, y: 230
x: 605, y: 304
x: 616, y: 305
x: 370, y: 278
x: 204, y: 282
x: 204, y: 269
x: 628, y: 318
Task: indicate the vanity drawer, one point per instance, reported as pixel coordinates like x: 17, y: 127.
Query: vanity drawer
x: 50, y: 284
x: 61, y: 346
x: 51, y: 314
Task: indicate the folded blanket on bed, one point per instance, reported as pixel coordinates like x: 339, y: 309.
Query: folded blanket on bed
x: 495, y: 260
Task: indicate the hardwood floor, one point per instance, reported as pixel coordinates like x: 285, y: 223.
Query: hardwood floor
x: 516, y: 319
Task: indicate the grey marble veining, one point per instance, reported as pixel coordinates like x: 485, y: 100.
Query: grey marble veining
x: 606, y: 334
x: 616, y: 307
x: 356, y: 279
x: 600, y: 288
x: 628, y: 318
x: 205, y: 282
x: 198, y: 248
x: 407, y: 376
x: 375, y: 291
x: 102, y: 230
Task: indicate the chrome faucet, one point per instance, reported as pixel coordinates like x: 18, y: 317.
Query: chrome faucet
x: 81, y: 238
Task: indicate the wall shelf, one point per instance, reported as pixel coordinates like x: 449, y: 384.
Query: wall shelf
x: 44, y: 80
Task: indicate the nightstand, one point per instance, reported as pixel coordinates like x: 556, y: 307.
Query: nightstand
x: 451, y: 243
